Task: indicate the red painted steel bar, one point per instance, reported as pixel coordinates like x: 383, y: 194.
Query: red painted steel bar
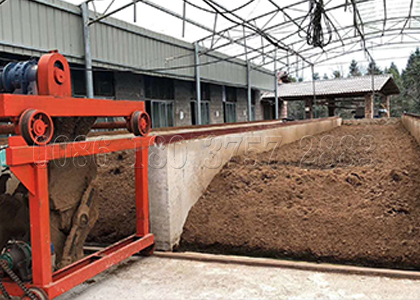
x: 96, y: 266
x: 10, y: 128
x: 20, y: 155
x: 110, y: 125
x: 39, y: 210
x: 142, y: 191
x: 14, y: 105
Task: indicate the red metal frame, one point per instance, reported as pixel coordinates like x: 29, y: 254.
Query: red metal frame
x: 29, y: 164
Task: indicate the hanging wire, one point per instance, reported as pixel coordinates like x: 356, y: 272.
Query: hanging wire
x: 320, y: 30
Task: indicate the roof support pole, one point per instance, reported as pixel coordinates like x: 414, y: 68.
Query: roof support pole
x: 370, y: 99
x: 248, y: 84
x: 369, y: 106
x: 309, y: 109
x: 331, y: 107
x: 88, y: 52
x: 184, y: 13
x: 198, y: 81
x: 276, y: 89
x: 388, y: 106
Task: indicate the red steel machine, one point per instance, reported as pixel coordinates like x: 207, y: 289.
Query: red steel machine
x: 48, y: 96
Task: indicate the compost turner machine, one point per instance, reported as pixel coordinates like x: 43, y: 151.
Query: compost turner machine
x: 35, y: 102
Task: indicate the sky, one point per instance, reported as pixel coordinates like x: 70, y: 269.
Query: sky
x: 153, y: 19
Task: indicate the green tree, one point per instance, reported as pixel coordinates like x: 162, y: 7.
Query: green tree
x: 296, y: 109
x: 374, y: 69
x: 354, y: 69
x: 398, y: 102
x: 293, y: 79
x: 411, y: 82
x: 316, y: 76
x: 337, y: 74
x: 325, y: 76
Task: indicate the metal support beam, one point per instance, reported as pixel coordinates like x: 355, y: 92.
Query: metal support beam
x: 88, y: 53
x: 199, y: 25
x: 104, y: 16
x: 310, y: 102
x: 276, y: 90
x: 248, y: 83
x: 198, y: 81
x: 184, y: 13
x: 246, y: 23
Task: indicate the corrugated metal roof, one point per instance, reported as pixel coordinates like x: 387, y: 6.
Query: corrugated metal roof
x: 33, y: 27
x: 345, y: 86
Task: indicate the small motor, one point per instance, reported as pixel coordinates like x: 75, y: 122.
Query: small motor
x: 19, y: 78
x: 18, y: 256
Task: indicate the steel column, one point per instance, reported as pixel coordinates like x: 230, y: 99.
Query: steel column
x: 39, y: 209
x: 276, y: 89
x: 198, y: 81
x: 142, y: 190
x: 88, y: 52
x: 311, y: 102
x: 248, y: 84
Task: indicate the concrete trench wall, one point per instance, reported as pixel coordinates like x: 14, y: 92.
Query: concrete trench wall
x: 183, y: 166
x: 412, y: 123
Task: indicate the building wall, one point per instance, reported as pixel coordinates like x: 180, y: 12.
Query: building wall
x: 132, y: 86
x: 242, y: 105
x: 259, y: 109
x: 184, y: 93
x: 33, y: 27
x: 216, y: 104
x: 129, y: 86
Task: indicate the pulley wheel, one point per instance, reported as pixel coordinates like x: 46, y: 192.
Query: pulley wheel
x: 140, y: 123
x: 36, y: 127
x: 38, y: 293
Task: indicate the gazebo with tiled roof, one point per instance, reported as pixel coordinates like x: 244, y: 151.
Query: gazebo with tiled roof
x: 344, y: 88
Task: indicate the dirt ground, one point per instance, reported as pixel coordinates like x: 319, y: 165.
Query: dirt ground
x: 355, y: 204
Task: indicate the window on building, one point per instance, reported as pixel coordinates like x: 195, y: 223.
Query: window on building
x: 230, y: 112
x: 269, y: 111
x: 78, y: 83
x: 254, y: 96
x: 205, y: 112
x: 159, y: 88
x: 205, y: 91
x: 162, y: 113
x: 229, y: 104
x: 103, y: 84
x: 231, y: 95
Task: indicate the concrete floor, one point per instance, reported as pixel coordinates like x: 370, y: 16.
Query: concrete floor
x: 155, y: 278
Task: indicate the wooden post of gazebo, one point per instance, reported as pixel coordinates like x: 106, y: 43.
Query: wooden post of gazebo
x: 369, y: 106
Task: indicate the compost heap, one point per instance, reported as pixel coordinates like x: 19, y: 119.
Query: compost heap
x: 364, y: 215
